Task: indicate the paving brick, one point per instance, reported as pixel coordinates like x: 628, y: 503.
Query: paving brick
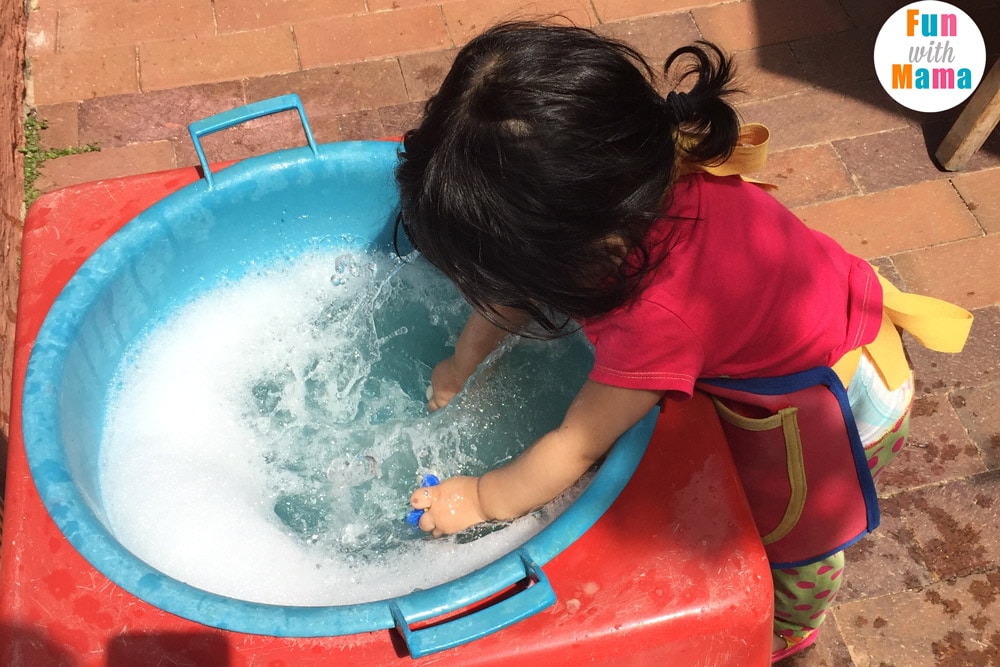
x: 988, y: 20
x: 952, y: 623
x: 160, y: 114
x: 85, y: 27
x: 752, y: 23
x: 386, y: 5
x: 977, y: 408
x: 107, y: 163
x: 655, y: 37
x: 361, y: 125
x: 210, y: 59
x: 83, y: 75
x: 62, y: 125
x: 871, y: 13
x: 468, y: 18
x: 837, y: 59
x: 957, y: 524
x: 424, y: 72
x: 821, y: 115
x: 977, y: 365
x: 886, y: 561
x: 893, y: 221
x: 939, y: 449
x: 875, y: 12
x: 807, y: 176
x: 887, y: 268
x: 236, y: 15
x: 329, y: 92
x: 41, y: 30
x: 966, y: 272
x: 889, y: 159
x: 981, y: 192
x: 770, y: 71
x: 616, y: 10
x: 396, y: 120
x: 63, y: 4
x: 370, y: 36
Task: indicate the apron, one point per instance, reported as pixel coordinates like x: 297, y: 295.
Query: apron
x: 793, y: 438
x: 800, y: 460
x: 796, y: 445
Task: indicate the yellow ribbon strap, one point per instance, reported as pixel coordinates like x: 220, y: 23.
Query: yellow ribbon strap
x: 749, y: 156
x: 936, y: 324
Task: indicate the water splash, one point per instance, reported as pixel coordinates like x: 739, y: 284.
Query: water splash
x: 273, y: 430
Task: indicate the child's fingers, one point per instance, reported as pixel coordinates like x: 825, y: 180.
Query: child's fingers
x: 422, y: 498
x: 427, y: 525
x: 438, y: 401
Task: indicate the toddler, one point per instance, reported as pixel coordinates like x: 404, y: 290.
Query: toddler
x: 553, y: 184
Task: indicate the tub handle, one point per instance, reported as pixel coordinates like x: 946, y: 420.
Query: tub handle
x: 538, y: 595
x: 227, y: 119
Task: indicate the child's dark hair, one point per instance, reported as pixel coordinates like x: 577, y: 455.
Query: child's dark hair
x: 545, y: 154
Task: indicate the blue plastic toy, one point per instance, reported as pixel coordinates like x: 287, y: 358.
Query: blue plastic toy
x: 413, y: 516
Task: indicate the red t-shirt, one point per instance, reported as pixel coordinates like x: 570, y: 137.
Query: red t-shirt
x: 745, y: 290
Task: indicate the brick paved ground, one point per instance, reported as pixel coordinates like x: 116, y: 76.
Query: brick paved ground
x: 925, y: 589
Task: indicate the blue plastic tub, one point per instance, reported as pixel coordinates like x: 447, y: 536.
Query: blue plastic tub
x: 266, y: 207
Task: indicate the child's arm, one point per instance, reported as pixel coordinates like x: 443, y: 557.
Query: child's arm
x: 597, y: 417
x: 477, y: 340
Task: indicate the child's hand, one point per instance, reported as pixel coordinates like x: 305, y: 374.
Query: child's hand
x: 449, y: 507
x: 445, y: 383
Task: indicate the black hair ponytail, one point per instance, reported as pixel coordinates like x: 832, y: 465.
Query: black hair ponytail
x: 702, y: 110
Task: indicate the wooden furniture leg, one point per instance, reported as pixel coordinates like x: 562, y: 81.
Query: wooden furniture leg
x: 975, y: 123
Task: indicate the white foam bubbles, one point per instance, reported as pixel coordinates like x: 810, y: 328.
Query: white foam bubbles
x: 263, y: 441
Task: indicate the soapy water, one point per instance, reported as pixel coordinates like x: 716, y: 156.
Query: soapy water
x: 263, y: 442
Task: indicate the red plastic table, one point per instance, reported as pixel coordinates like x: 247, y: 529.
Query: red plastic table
x: 672, y: 574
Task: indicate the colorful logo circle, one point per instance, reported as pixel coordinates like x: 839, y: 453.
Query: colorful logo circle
x: 930, y: 56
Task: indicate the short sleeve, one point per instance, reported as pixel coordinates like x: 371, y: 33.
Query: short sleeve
x: 646, y: 347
